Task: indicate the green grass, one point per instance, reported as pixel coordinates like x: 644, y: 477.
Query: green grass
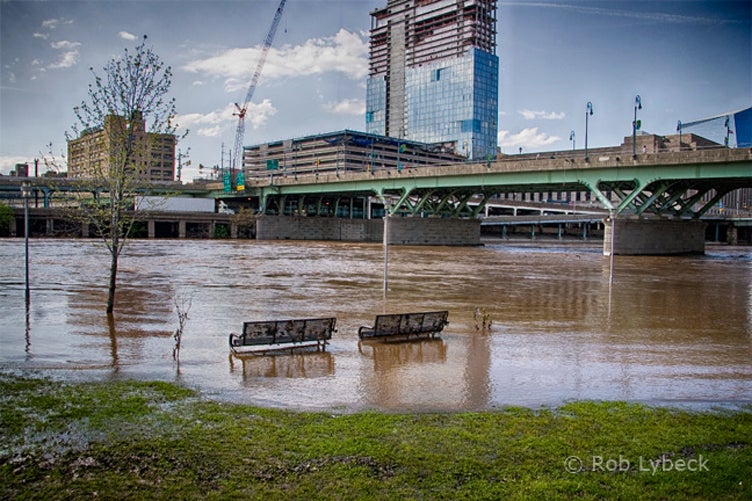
x: 133, y: 440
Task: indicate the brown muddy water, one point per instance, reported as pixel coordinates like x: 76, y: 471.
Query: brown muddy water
x: 666, y: 331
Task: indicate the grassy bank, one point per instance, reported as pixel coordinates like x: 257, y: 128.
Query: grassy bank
x: 156, y: 440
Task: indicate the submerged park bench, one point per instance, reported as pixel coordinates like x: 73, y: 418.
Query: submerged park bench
x: 270, y: 335
x: 405, y: 325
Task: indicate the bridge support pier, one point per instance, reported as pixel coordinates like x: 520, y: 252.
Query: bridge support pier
x: 654, y: 237
x: 402, y: 230
x: 434, y: 231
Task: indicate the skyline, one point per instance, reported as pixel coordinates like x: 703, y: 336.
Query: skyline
x: 687, y: 60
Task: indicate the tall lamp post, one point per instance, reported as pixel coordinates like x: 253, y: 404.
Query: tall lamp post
x: 728, y: 131
x: 387, y: 208
x: 26, y: 195
x: 588, y: 114
x: 572, y: 138
x: 635, y: 124
x: 679, y: 130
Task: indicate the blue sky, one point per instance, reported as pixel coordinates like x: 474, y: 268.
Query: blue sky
x: 686, y: 59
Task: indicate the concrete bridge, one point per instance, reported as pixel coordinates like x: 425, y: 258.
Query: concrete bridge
x: 654, y: 201
x: 650, y: 203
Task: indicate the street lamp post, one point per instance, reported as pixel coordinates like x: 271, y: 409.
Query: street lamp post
x: 728, y: 131
x: 679, y: 130
x: 588, y: 113
x: 387, y: 208
x: 635, y: 124
x: 26, y: 194
x: 572, y: 138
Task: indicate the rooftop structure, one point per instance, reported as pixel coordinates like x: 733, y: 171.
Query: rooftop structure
x: 433, y: 74
x: 340, y: 152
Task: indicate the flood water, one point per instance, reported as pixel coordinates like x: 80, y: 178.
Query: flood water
x: 665, y: 331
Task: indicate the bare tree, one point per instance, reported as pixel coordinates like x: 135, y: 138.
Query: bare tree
x: 111, y: 136
x: 183, y: 304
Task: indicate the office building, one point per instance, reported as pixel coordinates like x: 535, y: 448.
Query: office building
x: 434, y: 73
x: 341, y: 152
x: 152, y: 157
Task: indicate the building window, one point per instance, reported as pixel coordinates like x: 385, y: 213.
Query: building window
x: 437, y: 74
x: 470, y: 126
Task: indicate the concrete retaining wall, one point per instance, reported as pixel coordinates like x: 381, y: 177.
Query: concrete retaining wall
x: 634, y: 237
x: 433, y: 231
x: 402, y: 231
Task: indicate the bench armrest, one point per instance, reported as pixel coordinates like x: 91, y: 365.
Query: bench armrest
x: 363, y: 329
x: 235, y: 340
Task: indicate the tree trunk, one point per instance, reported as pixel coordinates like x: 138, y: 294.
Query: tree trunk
x: 113, y: 280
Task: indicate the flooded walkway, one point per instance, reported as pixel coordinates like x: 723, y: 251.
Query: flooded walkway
x: 668, y: 330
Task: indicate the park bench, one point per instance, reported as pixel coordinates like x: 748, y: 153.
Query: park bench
x: 405, y: 325
x: 271, y: 335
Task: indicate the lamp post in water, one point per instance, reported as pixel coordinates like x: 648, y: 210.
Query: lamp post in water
x: 26, y: 195
x: 386, y: 247
x: 635, y: 124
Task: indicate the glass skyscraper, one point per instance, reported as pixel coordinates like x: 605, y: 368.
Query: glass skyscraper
x: 434, y: 74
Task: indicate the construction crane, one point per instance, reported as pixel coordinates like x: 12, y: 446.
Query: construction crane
x: 241, y: 110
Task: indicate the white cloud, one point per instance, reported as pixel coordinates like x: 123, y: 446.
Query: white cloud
x: 70, y: 54
x: 544, y: 115
x: 66, y: 60
x: 8, y: 163
x: 47, y: 162
x: 215, y: 131
x: 642, y: 14
x: 346, y: 53
x: 43, y: 36
x: 127, y: 36
x: 347, y: 107
x: 529, y: 139
x: 217, y: 122
x: 51, y: 24
x: 65, y: 45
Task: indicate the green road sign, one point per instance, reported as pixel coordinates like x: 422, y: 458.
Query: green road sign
x: 227, y: 181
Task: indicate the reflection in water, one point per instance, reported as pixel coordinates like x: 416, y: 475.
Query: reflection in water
x: 477, y: 383
x: 290, y: 365
x: 27, y: 324
x: 665, y: 330
x: 389, y: 355
x: 406, y: 373
x: 113, y: 342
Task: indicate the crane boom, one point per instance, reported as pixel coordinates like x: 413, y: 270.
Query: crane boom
x: 241, y: 110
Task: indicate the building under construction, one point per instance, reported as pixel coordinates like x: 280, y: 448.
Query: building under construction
x: 434, y: 73
x: 432, y: 96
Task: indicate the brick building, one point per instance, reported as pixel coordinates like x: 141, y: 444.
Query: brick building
x: 153, y: 154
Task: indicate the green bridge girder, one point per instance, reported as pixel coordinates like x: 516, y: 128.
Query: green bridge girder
x: 684, y: 184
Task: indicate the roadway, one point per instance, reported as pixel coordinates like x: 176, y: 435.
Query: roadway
x: 686, y: 183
